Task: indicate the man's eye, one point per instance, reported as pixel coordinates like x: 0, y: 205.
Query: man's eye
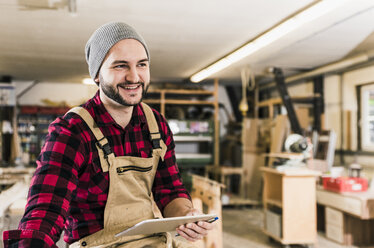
x: 143, y: 65
x: 120, y: 66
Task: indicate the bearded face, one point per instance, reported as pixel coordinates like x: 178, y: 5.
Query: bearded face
x: 126, y: 93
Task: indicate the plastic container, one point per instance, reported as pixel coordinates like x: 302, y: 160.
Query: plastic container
x: 345, y: 184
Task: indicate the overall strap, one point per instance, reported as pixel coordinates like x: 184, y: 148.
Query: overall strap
x: 154, y: 130
x: 152, y: 125
x: 105, y: 153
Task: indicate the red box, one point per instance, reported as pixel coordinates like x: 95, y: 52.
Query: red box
x: 345, y: 184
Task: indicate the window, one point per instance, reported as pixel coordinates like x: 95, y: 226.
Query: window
x: 367, y: 117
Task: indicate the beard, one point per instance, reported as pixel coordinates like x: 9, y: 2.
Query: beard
x: 112, y: 92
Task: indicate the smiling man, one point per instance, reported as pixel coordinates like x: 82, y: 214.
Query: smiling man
x: 104, y: 163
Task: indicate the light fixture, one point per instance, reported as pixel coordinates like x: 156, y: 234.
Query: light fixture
x: 313, y: 12
x: 88, y: 81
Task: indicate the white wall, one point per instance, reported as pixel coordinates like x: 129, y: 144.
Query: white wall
x: 332, y: 97
x: 73, y: 94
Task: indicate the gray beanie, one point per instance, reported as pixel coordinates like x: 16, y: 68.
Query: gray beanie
x: 103, y: 39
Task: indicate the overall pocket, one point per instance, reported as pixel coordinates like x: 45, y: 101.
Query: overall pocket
x: 124, y: 169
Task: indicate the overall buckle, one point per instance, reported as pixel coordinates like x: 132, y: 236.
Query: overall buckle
x: 105, y: 148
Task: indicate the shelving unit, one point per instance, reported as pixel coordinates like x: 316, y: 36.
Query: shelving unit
x: 194, y: 142
x: 33, y: 122
x: 271, y: 103
x: 204, y: 133
x: 289, y: 199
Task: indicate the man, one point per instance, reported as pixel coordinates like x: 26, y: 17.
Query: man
x: 104, y: 162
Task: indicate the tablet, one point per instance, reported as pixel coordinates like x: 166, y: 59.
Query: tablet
x: 164, y: 225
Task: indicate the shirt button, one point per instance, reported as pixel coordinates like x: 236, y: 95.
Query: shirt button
x: 84, y: 243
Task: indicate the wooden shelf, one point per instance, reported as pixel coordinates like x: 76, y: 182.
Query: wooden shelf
x: 292, y: 171
x: 271, y: 103
x: 179, y: 102
x: 181, y: 91
x: 193, y: 156
x: 274, y: 202
x: 295, y: 193
x: 276, y: 101
x: 272, y: 236
x: 192, y: 138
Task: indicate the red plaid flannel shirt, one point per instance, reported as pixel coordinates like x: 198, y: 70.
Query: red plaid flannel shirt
x: 69, y: 189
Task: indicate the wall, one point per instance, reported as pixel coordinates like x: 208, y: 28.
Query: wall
x: 338, y: 87
x: 72, y: 94
x: 340, y: 98
x: 350, y: 80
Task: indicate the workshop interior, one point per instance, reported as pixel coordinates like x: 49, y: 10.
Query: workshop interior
x: 271, y: 106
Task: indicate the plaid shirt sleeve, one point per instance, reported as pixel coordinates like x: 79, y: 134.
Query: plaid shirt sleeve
x: 167, y: 183
x: 51, y: 190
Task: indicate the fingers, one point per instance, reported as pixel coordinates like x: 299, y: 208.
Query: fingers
x: 206, y: 225
x: 189, y: 234
x: 193, y: 232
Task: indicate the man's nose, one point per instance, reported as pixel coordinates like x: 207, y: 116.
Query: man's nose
x: 132, y: 76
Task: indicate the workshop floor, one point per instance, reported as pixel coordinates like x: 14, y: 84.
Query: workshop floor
x: 242, y: 228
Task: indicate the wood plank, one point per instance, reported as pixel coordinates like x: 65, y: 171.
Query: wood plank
x: 251, y: 177
x: 274, y: 101
x: 182, y: 91
x: 209, y: 193
x: 299, y: 209
x: 344, y: 203
x: 274, y: 202
x: 249, y: 133
x: 287, y: 155
x: 292, y: 171
x: 278, y: 135
x: 303, y: 117
x: 348, y: 132
x: 180, y: 102
x: 9, y: 196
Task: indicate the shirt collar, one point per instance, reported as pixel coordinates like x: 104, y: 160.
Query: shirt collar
x: 103, y: 118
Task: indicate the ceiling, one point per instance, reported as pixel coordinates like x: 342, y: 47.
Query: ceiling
x: 44, y: 39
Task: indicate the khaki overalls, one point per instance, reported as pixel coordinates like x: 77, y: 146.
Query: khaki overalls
x: 130, y: 191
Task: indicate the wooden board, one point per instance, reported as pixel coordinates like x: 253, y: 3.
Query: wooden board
x: 303, y: 117
x: 278, y: 135
x: 11, y: 195
x: 251, y: 178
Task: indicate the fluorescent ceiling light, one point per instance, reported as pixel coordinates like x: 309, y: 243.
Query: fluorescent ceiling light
x: 315, y: 11
x: 88, y: 81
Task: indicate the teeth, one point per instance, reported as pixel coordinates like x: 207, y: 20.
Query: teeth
x: 131, y: 87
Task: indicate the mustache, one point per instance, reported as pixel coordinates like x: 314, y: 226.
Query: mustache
x: 129, y: 83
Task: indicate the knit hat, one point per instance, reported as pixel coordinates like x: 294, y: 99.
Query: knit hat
x: 103, y: 39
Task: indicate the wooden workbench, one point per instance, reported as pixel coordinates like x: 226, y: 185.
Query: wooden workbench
x: 347, y: 218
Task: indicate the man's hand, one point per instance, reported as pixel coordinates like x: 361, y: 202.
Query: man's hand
x: 195, y: 231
